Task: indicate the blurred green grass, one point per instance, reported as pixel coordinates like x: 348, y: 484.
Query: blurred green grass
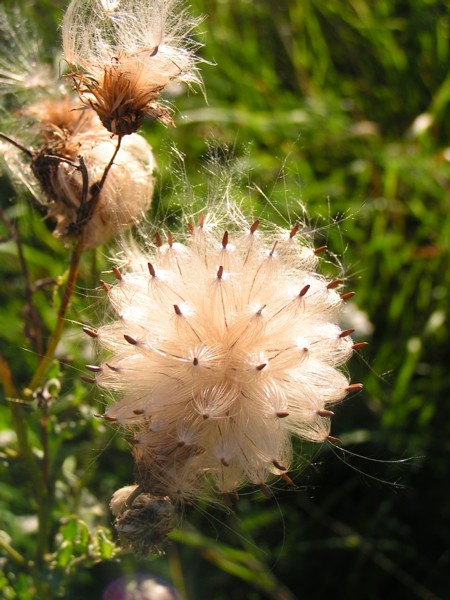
x: 324, y: 102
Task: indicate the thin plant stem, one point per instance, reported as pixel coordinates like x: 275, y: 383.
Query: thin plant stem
x: 56, y: 336
x: 14, y: 555
x: 20, y: 428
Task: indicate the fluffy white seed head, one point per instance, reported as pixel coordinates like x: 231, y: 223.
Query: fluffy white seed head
x: 221, y: 348
x: 128, y: 52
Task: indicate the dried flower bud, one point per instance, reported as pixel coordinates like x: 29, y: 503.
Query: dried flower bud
x: 142, y: 525
x: 223, y: 347
x: 128, y: 52
x: 68, y: 192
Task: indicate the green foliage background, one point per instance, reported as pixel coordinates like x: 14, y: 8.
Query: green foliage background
x: 317, y: 100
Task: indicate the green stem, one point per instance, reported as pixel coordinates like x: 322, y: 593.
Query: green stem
x: 14, y: 555
x: 56, y: 336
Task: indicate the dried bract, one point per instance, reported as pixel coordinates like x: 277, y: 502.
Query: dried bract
x: 126, y: 53
x: 68, y: 193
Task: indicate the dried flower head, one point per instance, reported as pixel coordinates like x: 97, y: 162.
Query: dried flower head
x: 222, y: 347
x: 66, y: 187
x: 128, y: 52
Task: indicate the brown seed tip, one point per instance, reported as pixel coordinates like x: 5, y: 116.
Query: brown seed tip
x: 261, y: 366
x: 177, y: 309
x: 195, y: 361
x: 265, y: 490
x: 88, y: 379
x: 93, y: 368
x: 138, y: 411
x: 117, y: 274
x: 347, y: 295
x: 158, y: 240
x: 90, y: 332
x: 320, y: 249
x: 282, y: 415
x: 191, y: 229
x: 130, y: 340
x: 333, y: 440
x: 278, y: 465
x: 201, y: 220
x: 219, y: 272
x: 333, y: 284
x: 294, y: 230
x: 111, y: 367
x: 104, y: 285
x: 254, y: 227
x: 169, y: 238
x: 304, y: 290
x: 224, y: 462
x: 346, y: 332
x: 354, y: 387
x: 286, y: 478
x: 151, y: 269
x: 324, y: 413
x: 225, y: 239
x: 359, y: 345
x: 273, y: 249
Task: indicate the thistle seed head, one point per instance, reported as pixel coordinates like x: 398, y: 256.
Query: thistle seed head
x: 236, y: 348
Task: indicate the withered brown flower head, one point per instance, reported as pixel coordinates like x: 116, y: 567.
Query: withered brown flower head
x: 123, y: 54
